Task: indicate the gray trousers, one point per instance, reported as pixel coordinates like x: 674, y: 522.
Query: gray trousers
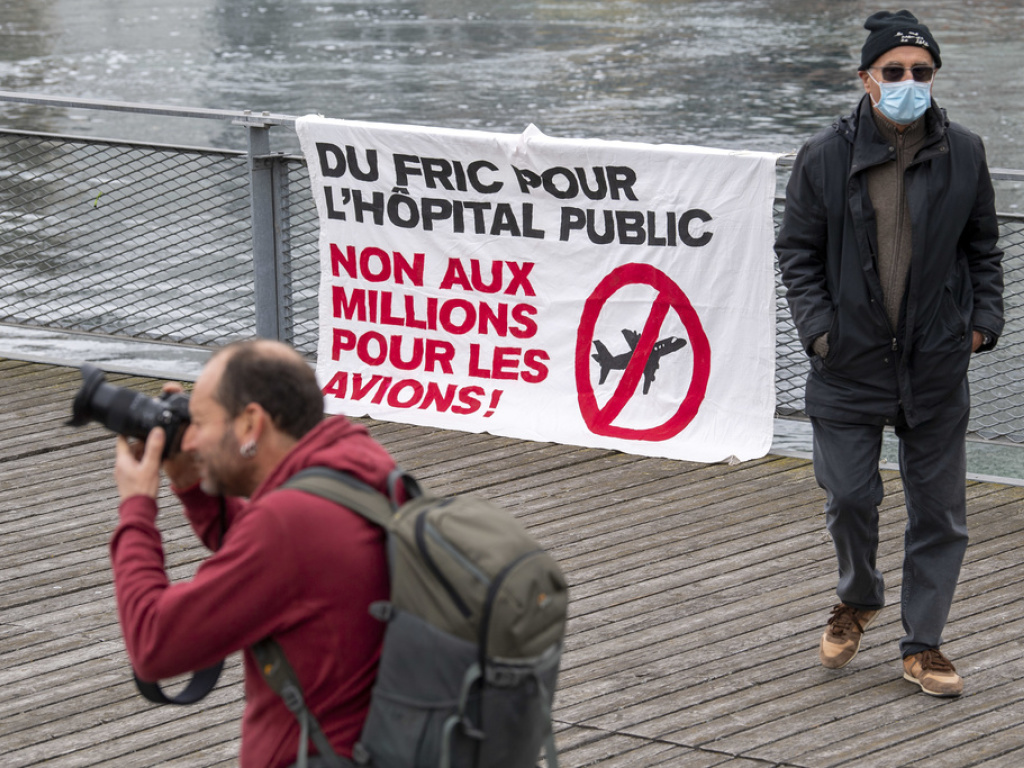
x: 933, y: 467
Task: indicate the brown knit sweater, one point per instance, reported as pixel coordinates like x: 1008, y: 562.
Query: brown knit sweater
x: 892, y: 212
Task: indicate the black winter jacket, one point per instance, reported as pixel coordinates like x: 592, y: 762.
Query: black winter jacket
x: 827, y: 254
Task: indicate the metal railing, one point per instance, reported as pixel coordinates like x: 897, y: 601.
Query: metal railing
x: 205, y: 246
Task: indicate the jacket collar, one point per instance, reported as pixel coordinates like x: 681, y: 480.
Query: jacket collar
x: 870, y: 147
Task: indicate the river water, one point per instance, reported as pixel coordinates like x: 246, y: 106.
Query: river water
x: 753, y: 74
x: 744, y: 74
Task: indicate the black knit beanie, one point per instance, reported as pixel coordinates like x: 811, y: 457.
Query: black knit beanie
x: 891, y: 30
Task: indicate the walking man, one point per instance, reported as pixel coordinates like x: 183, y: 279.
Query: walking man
x: 888, y: 251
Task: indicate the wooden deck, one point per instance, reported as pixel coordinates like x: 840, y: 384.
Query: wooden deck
x: 698, y: 595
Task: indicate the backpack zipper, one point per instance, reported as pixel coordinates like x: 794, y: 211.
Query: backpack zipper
x: 422, y: 531
x: 492, y: 594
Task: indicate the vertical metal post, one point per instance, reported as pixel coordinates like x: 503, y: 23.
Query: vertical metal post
x: 270, y: 268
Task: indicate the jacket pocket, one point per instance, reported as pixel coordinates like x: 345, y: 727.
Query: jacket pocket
x: 958, y: 303
x: 956, y: 319
x: 834, y: 343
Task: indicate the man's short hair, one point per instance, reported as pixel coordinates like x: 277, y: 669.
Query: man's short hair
x: 275, y: 377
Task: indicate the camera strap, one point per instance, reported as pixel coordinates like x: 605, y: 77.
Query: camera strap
x: 202, y: 683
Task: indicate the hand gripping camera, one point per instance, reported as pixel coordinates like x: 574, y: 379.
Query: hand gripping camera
x: 128, y: 412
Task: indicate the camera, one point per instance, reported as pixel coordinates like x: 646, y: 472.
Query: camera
x: 128, y: 412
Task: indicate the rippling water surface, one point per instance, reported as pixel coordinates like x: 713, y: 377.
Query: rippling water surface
x: 741, y: 73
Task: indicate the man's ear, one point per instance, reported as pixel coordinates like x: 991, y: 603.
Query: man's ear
x: 252, y: 422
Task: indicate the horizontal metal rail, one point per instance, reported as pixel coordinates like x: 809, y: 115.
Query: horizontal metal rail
x: 248, y: 117
x: 241, y: 117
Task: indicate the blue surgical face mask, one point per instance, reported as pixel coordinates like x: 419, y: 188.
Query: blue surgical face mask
x: 905, y: 101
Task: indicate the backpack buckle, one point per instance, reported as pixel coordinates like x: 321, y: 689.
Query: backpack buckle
x: 360, y: 754
x: 505, y: 677
x: 382, y: 610
x: 469, y: 730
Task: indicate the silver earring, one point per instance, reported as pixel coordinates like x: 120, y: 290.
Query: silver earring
x: 248, y: 450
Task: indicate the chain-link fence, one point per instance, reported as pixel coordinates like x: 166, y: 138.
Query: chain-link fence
x: 157, y: 242
x: 996, y: 377
x: 132, y: 240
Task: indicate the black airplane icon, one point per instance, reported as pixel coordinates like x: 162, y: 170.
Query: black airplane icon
x: 609, y: 362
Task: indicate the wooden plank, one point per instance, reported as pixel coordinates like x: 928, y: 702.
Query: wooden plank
x: 698, y: 595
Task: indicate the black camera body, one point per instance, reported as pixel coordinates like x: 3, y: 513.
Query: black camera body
x: 127, y: 412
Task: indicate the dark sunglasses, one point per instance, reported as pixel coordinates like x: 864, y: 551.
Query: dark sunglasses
x: 893, y: 73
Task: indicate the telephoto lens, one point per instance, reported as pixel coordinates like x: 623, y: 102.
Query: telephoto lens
x: 127, y: 412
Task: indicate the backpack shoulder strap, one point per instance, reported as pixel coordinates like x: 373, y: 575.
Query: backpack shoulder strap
x: 281, y: 678
x: 342, y: 488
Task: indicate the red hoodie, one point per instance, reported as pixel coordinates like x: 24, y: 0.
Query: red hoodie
x: 292, y: 566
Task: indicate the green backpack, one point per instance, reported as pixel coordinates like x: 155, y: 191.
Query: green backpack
x: 475, y: 624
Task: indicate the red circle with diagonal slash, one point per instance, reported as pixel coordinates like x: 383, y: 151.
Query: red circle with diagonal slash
x: 669, y: 296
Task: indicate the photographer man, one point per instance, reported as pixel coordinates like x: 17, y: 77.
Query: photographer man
x: 285, y: 564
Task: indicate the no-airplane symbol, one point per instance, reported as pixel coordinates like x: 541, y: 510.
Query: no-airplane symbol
x: 643, y: 357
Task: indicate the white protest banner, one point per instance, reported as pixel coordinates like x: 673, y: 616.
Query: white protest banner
x: 587, y: 292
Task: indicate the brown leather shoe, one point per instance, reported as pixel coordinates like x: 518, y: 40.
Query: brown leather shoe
x: 933, y: 672
x: 841, y: 640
